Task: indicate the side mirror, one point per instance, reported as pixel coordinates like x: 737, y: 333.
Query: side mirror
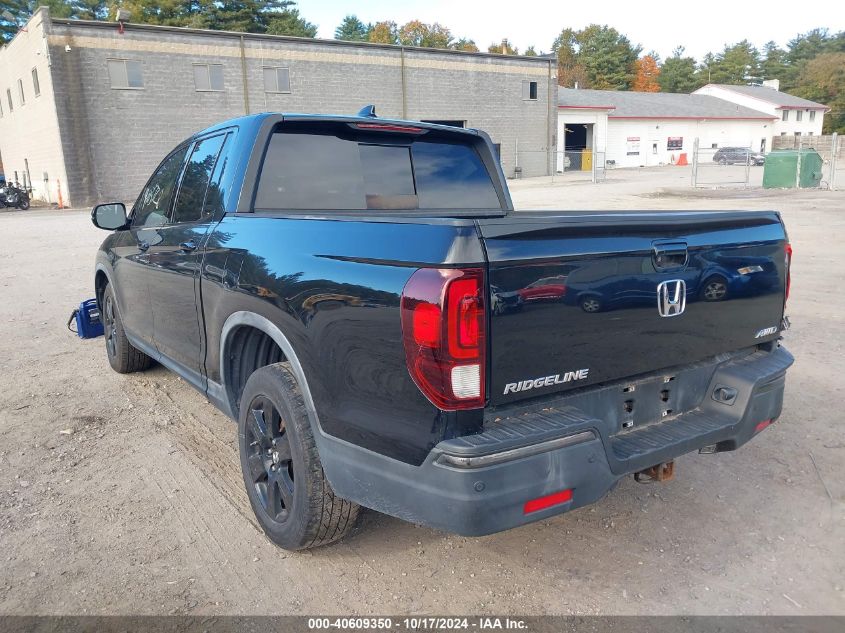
x: 110, y: 217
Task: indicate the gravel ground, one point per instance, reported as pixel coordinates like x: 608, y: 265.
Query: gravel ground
x: 123, y: 495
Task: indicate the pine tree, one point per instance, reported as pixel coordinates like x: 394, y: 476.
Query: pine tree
x: 678, y: 73
x: 352, y: 30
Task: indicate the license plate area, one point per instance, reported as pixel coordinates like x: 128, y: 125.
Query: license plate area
x: 648, y: 401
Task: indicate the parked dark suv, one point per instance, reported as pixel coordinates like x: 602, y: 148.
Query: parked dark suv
x: 738, y: 155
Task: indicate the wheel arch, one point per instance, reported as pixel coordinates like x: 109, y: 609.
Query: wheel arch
x: 236, y: 322
x: 102, y: 278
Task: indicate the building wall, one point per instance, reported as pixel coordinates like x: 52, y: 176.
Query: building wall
x: 650, y: 132
x: 780, y: 127
x: 114, y: 138
x: 29, y: 132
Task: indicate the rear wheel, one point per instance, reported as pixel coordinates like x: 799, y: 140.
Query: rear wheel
x: 124, y: 358
x: 284, y: 478
x: 24, y: 204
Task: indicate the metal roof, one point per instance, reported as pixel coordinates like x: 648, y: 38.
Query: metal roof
x: 772, y: 96
x: 656, y: 105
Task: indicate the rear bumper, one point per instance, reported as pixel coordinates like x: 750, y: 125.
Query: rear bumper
x: 478, y: 485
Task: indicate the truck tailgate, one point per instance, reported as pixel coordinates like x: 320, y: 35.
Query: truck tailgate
x: 584, y: 298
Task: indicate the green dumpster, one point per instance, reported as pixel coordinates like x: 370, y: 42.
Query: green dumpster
x: 781, y: 166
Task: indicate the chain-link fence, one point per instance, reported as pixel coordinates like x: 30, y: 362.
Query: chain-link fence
x: 725, y: 166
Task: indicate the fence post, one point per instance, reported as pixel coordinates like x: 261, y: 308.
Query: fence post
x: 694, y: 174
x: 834, y: 150
x: 595, y: 158
x: 798, y: 164
x: 748, y: 165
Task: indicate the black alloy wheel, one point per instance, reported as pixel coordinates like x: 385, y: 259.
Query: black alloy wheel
x: 270, y: 460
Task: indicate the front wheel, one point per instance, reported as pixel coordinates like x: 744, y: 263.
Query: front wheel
x: 23, y: 205
x: 124, y: 358
x: 287, y: 488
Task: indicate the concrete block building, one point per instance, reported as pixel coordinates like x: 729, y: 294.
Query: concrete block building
x: 91, y: 107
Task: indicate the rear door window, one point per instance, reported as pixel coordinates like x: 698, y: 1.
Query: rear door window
x: 344, y: 171
x: 191, y: 196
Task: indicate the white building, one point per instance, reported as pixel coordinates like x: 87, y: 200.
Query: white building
x: 640, y: 129
x: 794, y: 116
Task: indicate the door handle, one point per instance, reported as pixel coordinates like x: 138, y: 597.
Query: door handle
x: 189, y: 247
x: 668, y: 255
x: 143, y: 246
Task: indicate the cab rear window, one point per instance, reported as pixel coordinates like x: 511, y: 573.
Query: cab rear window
x: 343, y: 170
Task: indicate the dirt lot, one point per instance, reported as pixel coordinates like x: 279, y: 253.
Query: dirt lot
x: 122, y: 494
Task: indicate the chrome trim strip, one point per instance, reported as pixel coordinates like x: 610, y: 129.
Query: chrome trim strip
x: 479, y: 461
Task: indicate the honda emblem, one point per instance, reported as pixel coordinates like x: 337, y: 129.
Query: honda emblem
x: 671, y: 297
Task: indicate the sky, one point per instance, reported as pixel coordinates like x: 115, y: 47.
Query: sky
x: 658, y: 25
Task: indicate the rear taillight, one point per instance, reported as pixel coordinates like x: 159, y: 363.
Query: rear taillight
x: 788, y: 250
x: 443, y: 328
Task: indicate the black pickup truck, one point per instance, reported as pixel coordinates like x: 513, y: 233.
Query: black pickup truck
x: 360, y: 295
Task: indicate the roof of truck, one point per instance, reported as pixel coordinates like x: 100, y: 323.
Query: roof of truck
x: 257, y: 119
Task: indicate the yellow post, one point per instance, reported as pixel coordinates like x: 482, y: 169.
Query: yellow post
x: 587, y: 160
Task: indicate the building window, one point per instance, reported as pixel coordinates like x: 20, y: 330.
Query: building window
x: 9, y: 98
x: 529, y: 90
x: 797, y: 134
x: 276, y: 79
x: 125, y: 74
x: 798, y: 115
x: 208, y: 77
x: 809, y: 133
x: 783, y: 133
x: 786, y: 115
x: 812, y: 115
x: 21, y: 95
x: 36, y: 87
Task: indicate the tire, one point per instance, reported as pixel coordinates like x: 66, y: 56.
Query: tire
x: 23, y: 205
x: 123, y: 357
x: 723, y: 161
x: 590, y: 305
x: 282, y: 471
x: 715, y: 289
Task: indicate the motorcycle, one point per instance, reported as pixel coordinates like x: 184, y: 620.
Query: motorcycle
x: 11, y: 195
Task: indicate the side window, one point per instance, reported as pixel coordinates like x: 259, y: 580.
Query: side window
x: 213, y: 205
x: 153, y: 207
x: 191, y: 196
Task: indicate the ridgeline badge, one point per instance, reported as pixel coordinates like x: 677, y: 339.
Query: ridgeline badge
x: 546, y: 381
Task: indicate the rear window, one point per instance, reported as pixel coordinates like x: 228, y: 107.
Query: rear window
x: 304, y: 170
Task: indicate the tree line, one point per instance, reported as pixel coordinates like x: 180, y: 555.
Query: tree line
x: 812, y: 65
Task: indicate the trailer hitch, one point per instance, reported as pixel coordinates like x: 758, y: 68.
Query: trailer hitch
x: 660, y: 472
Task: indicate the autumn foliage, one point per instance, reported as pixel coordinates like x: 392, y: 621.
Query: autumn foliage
x: 646, y: 75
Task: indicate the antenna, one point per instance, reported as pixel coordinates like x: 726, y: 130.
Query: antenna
x: 368, y: 111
